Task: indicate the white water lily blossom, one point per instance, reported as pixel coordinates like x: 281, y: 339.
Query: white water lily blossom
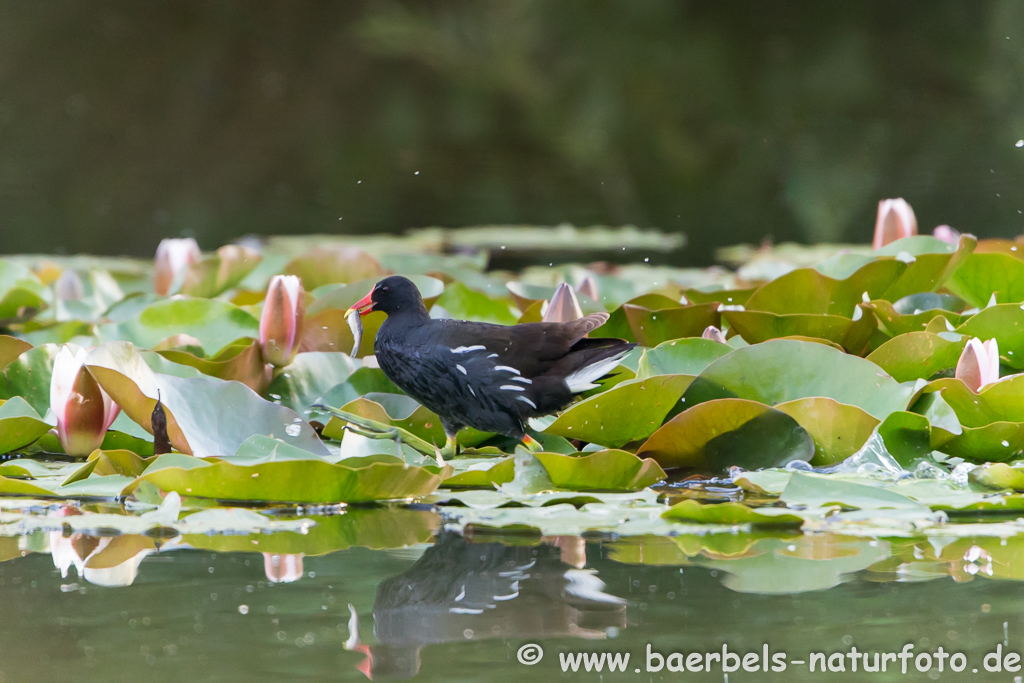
x: 979, y: 364
x: 564, y: 306
x: 84, y: 411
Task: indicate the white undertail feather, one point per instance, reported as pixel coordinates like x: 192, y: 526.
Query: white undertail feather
x: 583, y: 379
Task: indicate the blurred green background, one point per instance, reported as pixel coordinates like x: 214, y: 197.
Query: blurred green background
x: 122, y: 122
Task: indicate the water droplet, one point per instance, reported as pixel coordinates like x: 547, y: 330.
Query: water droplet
x: 293, y: 430
x: 243, y: 609
x: 1020, y: 143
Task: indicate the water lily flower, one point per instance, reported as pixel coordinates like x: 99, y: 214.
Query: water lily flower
x: 70, y: 287
x: 173, y: 258
x: 564, y: 306
x: 895, y: 221
x: 588, y: 287
x: 83, y: 409
x: 714, y: 334
x: 946, y: 234
x: 282, y: 320
x: 282, y: 568
x: 979, y: 364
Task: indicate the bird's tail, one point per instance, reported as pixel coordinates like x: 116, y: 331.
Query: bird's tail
x: 590, y: 360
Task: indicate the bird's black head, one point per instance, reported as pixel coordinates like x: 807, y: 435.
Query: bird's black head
x: 392, y: 295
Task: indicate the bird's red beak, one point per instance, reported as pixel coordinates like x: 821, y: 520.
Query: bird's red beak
x: 364, y: 305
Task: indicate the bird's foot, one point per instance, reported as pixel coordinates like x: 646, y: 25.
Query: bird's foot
x: 532, y: 444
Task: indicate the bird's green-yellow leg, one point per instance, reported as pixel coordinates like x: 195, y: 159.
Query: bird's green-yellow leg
x: 532, y: 444
x: 451, y: 447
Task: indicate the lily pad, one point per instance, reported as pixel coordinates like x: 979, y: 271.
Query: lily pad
x: 607, y: 470
x: 838, y: 430
x: 332, y: 264
x: 214, y: 323
x: 241, y: 363
x: 983, y: 275
x: 784, y: 370
x: 205, y: 415
x: 20, y: 425
x: 652, y: 327
x: 680, y: 357
x: 11, y: 348
x: 723, y: 433
x: 628, y: 412
x: 28, y: 376
x: 730, y: 513
x: 463, y: 303
x: 299, y: 481
x: 760, y: 326
x: 918, y: 355
x: 806, y: 290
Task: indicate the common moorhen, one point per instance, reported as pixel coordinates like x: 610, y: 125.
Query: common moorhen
x: 490, y: 377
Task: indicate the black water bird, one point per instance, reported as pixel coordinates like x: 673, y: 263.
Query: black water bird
x: 490, y: 377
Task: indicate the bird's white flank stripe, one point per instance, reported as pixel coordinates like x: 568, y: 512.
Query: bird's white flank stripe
x: 512, y: 387
x: 467, y: 349
x: 461, y: 369
x: 493, y: 355
x: 506, y: 368
x: 527, y: 401
x: 524, y: 380
x: 470, y: 386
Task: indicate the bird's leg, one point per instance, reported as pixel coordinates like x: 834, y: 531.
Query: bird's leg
x: 532, y: 444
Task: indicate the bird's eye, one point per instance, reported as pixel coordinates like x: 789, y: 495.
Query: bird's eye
x: 383, y: 289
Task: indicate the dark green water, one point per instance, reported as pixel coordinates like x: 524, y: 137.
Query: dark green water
x: 459, y: 610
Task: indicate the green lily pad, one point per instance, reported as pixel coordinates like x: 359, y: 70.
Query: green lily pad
x: 241, y: 363
x: 998, y: 475
x: 1002, y: 401
x: 818, y: 491
x: 918, y: 355
x: 309, y: 377
x: 20, y: 425
x: 760, y: 326
x: 723, y: 433
x: 680, y: 357
x: 1005, y: 324
x: 299, y: 481
x: 806, y: 290
x: 482, y: 474
x: 11, y: 348
x: 214, y: 323
x: 607, y: 470
x: 21, y: 292
x: 730, y: 513
x: 205, y: 415
x: 28, y: 376
x: 983, y: 275
x: 894, y: 323
x: 463, y: 303
x: 784, y: 370
x: 332, y: 264
x: 652, y: 327
x: 628, y: 412
x: 838, y: 430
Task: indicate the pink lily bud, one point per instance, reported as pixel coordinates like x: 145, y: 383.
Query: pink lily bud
x: 588, y: 287
x: 946, y: 234
x: 70, y: 287
x: 979, y: 364
x: 564, y: 306
x: 714, y: 334
x: 173, y: 258
x: 282, y: 320
x: 895, y: 221
x: 282, y: 568
x: 84, y: 410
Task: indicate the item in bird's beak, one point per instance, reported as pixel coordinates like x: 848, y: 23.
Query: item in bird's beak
x: 355, y: 323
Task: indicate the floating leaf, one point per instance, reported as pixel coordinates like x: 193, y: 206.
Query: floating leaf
x: 983, y: 275
x: 1005, y: 324
x: 918, y: 355
x: 205, y: 416
x: 680, y: 357
x: 607, y: 470
x: 28, y: 376
x: 805, y: 290
x: 21, y: 293
x: 239, y: 362
x: 628, y: 412
x: 730, y: 513
x: 816, y: 491
x: 759, y: 326
x: 463, y: 303
x: 784, y: 370
x: 652, y: 327
x: 838, y: 430
x: 214, y: 323
x: 11, y: 348
x: 309, y: 377
x: 723, y: 433
x: 20, y: 425
x: 299, y: 481
x: 332, y: 264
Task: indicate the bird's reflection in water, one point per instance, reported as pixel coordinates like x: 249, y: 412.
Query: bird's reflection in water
x: 460, y: 590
